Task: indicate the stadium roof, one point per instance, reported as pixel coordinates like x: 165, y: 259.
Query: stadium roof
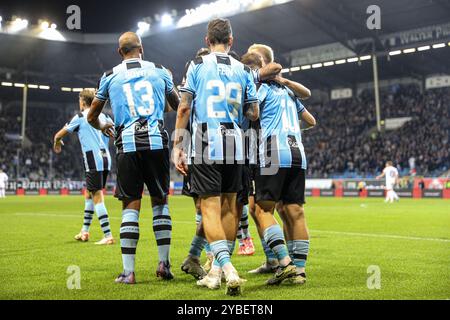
x: 287, y: 27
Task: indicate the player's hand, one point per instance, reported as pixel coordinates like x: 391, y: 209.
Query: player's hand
x: 108, y: 129
x: 57, y: 146
x: 179, y: 160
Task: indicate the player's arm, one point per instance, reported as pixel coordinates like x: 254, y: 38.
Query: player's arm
x: 251, y: 111
x: 297, y: 88
x: 309, y: 119
x: 269, y: 71
x: 381, y: 175
x: 93, y: 118
x: 172, y: 100
x: 57, y: 139
x: 183, y: 114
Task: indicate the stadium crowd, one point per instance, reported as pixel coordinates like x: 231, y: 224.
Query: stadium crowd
x: 344, y: 142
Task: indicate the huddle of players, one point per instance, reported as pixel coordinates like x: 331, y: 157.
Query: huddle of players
x: 220, y: 98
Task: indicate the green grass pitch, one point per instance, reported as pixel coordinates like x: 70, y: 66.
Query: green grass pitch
x: 409, y: 241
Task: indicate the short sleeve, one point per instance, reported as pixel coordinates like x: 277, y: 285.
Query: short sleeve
x: 250, y: 89
x: 300, y: 107
x: 74, y: 124
x: 189, y: 85
x: 168, y: 80
x: 102, y: 91
x: 262, y: 93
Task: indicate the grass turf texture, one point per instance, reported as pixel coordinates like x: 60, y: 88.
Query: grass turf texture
x: 408, y: 240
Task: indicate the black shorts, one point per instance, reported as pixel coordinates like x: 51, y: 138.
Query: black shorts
x: 96, y: 180
x: 187, y: 185
x: 149, y: 167
x: 242, y: 196
x: 214, y: 179
x: 287, y: 185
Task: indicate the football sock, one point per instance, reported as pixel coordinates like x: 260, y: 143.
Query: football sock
x: 162, y: 227
x: 290, y: 246
x: 197, y: 245
x: 198, y: 217
x: 102, y: 215
x: 273, y: 236
x: 231, y: 245
x: 301, y: 250
x: 221, y: 252
x: 270, y: 256
x: 244, y: 223
x: 129, y: 237
x: 88, y: 214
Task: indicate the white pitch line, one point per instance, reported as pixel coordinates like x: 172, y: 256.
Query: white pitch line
x: 354, y: 234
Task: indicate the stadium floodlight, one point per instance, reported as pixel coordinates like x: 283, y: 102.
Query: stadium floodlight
x: 341, y: 61
x: 44, y: 25
x: 166, y: 20
x: 355, y: 59
x: 293, y: 69
x: 19, y: 85
x: 77, y: 89
x: 328, y: 63
x: 317, y: 65
x: 395, y: 52
x: 143, y: 27
x: 7, y: 84
x: 33, y: 86
x: 42, y: 87
x: 410, y: 50
x: 306, y: 67
x: 49, y: 32
x: 17, y: 25
x: 368, y: 57
x: 285, y: 70
x: 66, y: 89
x: 423, y: 48
x: 438, y: 45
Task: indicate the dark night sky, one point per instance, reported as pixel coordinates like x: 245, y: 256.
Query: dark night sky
x: 100, y: 16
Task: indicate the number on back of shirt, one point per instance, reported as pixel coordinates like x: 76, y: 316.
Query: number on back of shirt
x: 145, y: 89
x: 231, y: 92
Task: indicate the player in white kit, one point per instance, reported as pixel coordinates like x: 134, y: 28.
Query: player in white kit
x: 3, y: 180
x: 391, y: 174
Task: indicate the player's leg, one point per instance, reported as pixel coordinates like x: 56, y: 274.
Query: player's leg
x: 286, y: 229
x: 191, y: 264
x: 83, y: 235
x: 268, y: 191
x: 2, y: 193
x: 156, y: 170
x: 95, y: 187
x: 396, y: 198
x: 294, y: 215
x: 271, y: 263
x: 129, y: 190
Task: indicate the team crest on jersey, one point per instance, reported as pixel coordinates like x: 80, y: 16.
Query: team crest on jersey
x: 227, y: 132
x: 292, y: 142
x: 141, y: 127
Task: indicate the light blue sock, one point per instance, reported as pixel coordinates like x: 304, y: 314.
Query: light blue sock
x: 221, y: 252
x: 290, y: 246
x: 102, y: 215
x: 162, y: 227
x: 88, y: 214
x: 208, y: 248
x: 244, y: 223
x: 273, y: 236
x: 301, y: 250
x: 129, y: 237
x: 267, y: 251
x: 197, y: 245
x: 198, y: 217
x: 231, y: 245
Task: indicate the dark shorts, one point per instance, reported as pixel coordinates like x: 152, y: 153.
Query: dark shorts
x: 287, y: 185
x: 96, y: 180
x: 214, y: 179
x: 187, y: 185
x: 149, y: 167
x: 242, y: 196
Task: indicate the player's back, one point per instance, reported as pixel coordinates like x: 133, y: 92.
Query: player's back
x: 136, y: 90
x: 280, y: 128
x: 94, y: 144
x: 221, y: 86
x: 391, y: 174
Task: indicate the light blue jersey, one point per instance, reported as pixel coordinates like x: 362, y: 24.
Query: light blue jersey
x: 137, y: 92
x: 221, y: 86
x: 280, y: 136
x: 94, y: 144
